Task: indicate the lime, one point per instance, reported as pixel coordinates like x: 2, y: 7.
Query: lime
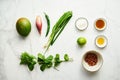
x: 23, y: 26
x: 81, y: 41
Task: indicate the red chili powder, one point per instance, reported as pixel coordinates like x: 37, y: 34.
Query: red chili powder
x: 91, y: 58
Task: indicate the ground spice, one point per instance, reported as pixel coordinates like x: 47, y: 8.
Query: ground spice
x: 100, y: 23
x: 91, y: 58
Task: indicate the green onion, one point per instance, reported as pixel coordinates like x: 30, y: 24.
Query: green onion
x: 58, y: 28
x: 48, y: 24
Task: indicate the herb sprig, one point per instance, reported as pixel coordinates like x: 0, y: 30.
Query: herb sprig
x: 29, y: 60
x: 44, y: 62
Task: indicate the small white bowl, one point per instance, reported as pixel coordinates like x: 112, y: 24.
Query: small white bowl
x: 105, y: 24
x: 104, y: 43
x: 97, y: 66
x: 81, y: 23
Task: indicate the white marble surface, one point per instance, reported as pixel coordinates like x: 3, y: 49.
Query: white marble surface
x: 11, y: 44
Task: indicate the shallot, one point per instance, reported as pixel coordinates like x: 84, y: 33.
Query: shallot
x: 39, y: 24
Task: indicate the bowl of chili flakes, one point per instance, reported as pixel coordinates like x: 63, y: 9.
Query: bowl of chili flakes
x: 92, y: 61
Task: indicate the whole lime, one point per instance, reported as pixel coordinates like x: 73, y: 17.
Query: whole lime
x: 81, y: 41
x: 23, y: 26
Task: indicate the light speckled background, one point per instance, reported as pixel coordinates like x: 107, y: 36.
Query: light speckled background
x: 11, y: 44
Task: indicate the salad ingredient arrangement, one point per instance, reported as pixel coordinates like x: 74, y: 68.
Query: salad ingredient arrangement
x: 48, y: 24
x: 44, y: 62
x: 39, y: 24
x: 58, y: 28
x: 23, y: 26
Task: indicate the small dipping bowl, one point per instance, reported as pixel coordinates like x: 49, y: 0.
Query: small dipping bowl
x: 101, y: 41
x: 81, y: 23
x: 100, y: 24
x: 92, y: 61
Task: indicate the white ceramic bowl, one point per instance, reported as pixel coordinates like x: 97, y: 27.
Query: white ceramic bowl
x: 105, y: 41
x: 81, y: 23
x: 97, y: 66
x: 105, y: 24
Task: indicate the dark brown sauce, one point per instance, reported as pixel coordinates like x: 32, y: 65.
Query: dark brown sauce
x: 91, y: 58
x: 100, y: 23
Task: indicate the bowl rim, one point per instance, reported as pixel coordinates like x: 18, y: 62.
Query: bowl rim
x: 104, y: 25
x: 101, y: 58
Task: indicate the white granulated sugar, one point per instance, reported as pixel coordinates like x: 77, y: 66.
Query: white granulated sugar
x: 81, y: 23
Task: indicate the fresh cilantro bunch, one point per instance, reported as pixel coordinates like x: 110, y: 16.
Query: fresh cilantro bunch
x: 28, y: 60
x: 44, y: 62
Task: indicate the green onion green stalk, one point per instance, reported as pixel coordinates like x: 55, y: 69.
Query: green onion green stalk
x: 58, y: 28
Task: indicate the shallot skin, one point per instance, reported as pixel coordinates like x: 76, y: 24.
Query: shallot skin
x: 39, y: 24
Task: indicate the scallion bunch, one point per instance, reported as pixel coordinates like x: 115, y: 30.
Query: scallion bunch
x: 58, y: 28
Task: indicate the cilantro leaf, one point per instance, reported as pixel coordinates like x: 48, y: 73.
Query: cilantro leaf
x: 66, y: 57
x: 41, y: 58
x: 45, y: 62
x: 28, y: 60
x: 49, y: 59
x: 31, y: 67
x: 42, y: 67
x: 49, y: 65
x: 57, y: 60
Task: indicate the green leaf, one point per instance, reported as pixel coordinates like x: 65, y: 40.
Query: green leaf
x: 33, y: 62
x: 49, y: 65
x: 31, y: 67
x: 45, y: 62
x: 41, y: 58
x: 28, y: 60
x: 24, y: 58
x: 57, y: 60
x: 66, y: 57
x: 57, y: 57
x: 49, y: 59
x: 57, y: 63
x: 42, y: 67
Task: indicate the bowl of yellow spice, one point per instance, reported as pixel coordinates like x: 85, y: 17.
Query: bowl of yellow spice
x: 101, y: 41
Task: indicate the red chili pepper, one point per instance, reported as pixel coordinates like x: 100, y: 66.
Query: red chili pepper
x: 39, y: 24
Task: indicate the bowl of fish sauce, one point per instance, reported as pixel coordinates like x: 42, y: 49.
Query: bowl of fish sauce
x: 100, y: 24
